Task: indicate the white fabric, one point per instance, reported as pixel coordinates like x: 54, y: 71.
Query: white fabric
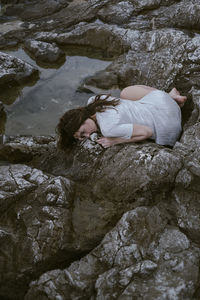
x: 156, y: 110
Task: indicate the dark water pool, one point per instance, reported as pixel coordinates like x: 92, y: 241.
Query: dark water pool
x: 38, y: 108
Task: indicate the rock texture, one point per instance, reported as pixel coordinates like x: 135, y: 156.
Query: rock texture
x: 44, y: 52
x: 14, y: 70
x: 141, y: 258
x: 120, y: 223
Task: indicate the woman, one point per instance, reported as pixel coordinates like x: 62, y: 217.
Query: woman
x: 141, y: 113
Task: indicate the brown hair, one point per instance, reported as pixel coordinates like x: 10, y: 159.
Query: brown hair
x: 72, y: 120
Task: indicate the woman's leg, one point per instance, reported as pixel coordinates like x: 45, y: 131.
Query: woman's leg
x: 136, y: 92
x: 174, y: 93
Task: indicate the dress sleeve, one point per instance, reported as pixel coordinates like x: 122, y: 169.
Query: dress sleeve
x: 110, y: 126
x: 91, y: 99
x: 123, y: 130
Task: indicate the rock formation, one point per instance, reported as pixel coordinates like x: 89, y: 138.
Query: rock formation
x: 116, y: 223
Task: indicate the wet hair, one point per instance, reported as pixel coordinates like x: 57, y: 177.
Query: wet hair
x: 72, y: 120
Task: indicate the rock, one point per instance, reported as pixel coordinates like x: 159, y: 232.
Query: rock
x: 184, y: 206
x: 11, y: 1
x: 117, y: 13
x: 12, y: 33
x: 44, y: 52
x: 33, y: 10
x: 1, y: 106
x: 2, y: 121
x: 59, y: 211
x: 133, y: 261
x: 26, y: 149
x: 155, y: 70
x: 98, y: 204
x: 109, y: 38
x: 131, y: 68
x: 39, y: 205
x: 14, y: 70
x: 14, y: 182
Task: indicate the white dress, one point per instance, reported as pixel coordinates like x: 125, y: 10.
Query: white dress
x: 156, y: 110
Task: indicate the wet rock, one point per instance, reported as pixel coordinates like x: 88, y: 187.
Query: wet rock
x: 44, y: 52
x: 35, y: 225
x: 147, y: 159
x: 2, y: 121
x: 97, y: 197
x: 1, y: 106
x: 24, y: 149
x: 185, y: 207
x: 184, y: 202
x: 109, y: 38
x: 12, y: 1
x: 14, y: 70
x: 12, y: 33
x: 59, y: 206
x: 155, y: 69
x: 98, y: 204
x: 140, y: 257
x: 33, y: 10
x: 117, y: 13
x: 172, y: 14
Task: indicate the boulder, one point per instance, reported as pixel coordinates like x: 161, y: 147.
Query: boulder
x: 32, y: 9
x: 117, y: 13
x: 160, y: 68
x: 44, y: 52
x: 14, y: 70
x: 109, y: 38
x: 141, y: 257
x: 35, y: 226
x: 109, y: 182
x: 95, y: 223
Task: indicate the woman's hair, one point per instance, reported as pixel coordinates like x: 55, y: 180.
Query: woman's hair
x: 72, y: 120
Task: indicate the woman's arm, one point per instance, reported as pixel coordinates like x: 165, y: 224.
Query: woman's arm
x: 140, y: 133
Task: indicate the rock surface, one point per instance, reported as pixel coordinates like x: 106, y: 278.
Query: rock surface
x: 140, y: 258
x: 14, y: 70
x: 44, y: 52
x: 120, y: 223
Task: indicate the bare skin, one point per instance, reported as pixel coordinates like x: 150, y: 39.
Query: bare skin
x: 140, y: 133
x: 136, y: 92
x: 174, y: 93
x: 87, y: 128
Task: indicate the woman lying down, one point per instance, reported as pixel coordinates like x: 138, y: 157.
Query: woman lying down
x: 140, y: 113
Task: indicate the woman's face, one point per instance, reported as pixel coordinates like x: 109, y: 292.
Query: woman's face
x: 87, y: 128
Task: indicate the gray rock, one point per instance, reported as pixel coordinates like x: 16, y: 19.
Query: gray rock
x: 132, y: 261
x: 117, y: 13
x: 57, y: 207
x: 94, y: 35
x: 32, y: 9
x: 40, y: 206
x: 1, y: 106
x: 2, y: 121
x: 160, y: 66
x: 14, y: 70
x: 44, y: 52
x: 184, y: 206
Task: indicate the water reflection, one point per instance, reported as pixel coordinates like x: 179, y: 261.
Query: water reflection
x: 38, y: 108
x: 2, y: 122
x: 11, y: 92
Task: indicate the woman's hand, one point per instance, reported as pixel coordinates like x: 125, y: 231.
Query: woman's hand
x: 140, y: 133
x: 106, y: 142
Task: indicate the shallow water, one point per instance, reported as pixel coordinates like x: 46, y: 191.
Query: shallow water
x: 37, y: 110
